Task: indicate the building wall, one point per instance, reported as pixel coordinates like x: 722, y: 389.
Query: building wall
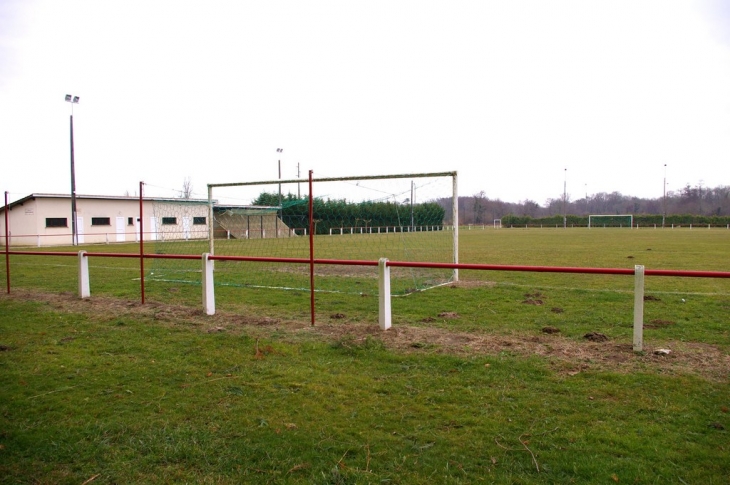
x: 103, y: 221
x: 22, y: 220
x: 173, y: 220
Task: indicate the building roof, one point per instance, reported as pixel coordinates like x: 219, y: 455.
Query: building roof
x: 134, y: 199
x: 101, y: 197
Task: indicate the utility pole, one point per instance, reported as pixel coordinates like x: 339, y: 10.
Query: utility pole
x: 700, y: 193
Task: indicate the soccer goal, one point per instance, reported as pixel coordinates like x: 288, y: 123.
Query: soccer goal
x: 498, y: 223
x: 407, y: 217
x: 611, y: 220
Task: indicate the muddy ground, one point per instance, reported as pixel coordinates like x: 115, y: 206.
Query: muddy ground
x: 565, y: 355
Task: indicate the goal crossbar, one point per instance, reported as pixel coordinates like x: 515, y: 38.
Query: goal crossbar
x: 335, y: 179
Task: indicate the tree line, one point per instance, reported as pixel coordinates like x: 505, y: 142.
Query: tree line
x: 339, y: 213
x: 690, y: 205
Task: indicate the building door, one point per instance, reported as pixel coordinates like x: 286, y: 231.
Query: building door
x: 186, y: 227
x: 80, y: 229
x: 153, y: 228
x: 136, y: 228
x: 121, y: 230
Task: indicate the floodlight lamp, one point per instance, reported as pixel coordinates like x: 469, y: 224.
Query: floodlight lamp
x: 279, y: 150
x: 76, y: 99
x: 68, y: 98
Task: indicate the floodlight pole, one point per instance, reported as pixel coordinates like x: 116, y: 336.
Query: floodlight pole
x: 74, y: 230
x: 664, y: 204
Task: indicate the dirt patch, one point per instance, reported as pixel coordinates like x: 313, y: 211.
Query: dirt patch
x: 530, y: 301
x: 550, y: 330
x: 566, y: 356
x: 557, y: 310
x: 651, y: 298
x: 448, y: 315
x: 658, y: 323
x: 595, y: 337
x: 114, y: 309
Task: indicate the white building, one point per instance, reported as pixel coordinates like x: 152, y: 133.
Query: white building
x: 44, y: 219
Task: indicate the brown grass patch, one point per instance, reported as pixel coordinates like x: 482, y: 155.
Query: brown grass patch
x: 565, y: 355
x: 658, y: 323
x: 530, y: 301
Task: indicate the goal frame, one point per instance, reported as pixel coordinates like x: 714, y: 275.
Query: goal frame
x: 313, y: 180
x: 593, y: 216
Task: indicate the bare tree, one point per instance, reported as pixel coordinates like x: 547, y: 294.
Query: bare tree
x: 187, y: 189
x: 479, y: 207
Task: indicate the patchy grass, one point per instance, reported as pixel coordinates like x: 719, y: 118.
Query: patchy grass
x: 125, y: 393
x: 502, y: 378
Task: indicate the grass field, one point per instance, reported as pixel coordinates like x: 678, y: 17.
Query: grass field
x: 489, y: 381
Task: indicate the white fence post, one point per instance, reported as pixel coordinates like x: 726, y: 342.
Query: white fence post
x: 84, y: 287
x: 638, y: 308
x: 384, y: 317
x: 208, y: 286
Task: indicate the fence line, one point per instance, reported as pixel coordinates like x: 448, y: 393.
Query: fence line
x: 384, y: 265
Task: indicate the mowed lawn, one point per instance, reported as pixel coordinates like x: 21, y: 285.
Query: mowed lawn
x: 505, y: 377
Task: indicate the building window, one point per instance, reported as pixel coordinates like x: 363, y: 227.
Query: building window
x: 130, y: 221
x: 56, y: 222
x: 199, y: 220
x: 169, y: 220
x: 101, y: 221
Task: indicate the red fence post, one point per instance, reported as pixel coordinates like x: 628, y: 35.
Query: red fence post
x: 7, y: 244
x: 311, y: 249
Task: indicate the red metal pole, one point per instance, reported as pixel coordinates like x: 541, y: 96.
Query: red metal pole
x: 7, y: 244
x: 141, y: 242
x: 311, y: 249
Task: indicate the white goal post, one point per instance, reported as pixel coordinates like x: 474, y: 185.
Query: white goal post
x: 611, y: 220
x: 401, y: 217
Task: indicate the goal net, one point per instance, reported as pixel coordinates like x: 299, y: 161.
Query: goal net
x: 610, y: 220
x: 400, y: 217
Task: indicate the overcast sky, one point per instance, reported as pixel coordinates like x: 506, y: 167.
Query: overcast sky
x: 508, y: 93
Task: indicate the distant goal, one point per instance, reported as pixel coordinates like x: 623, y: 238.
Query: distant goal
x: 610, y: 220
